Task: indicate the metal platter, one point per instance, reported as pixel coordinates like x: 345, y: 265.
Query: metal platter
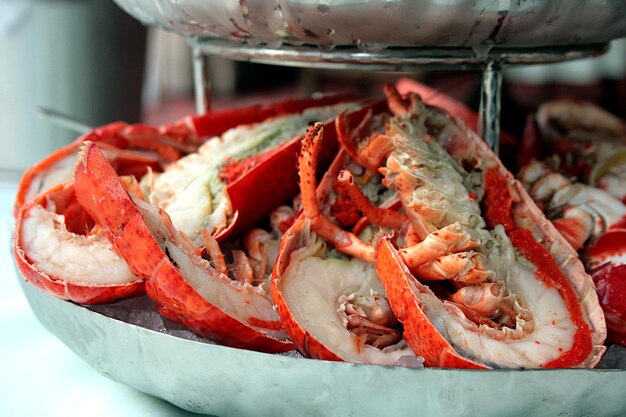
x: 373, y: 25
x: 211, y: 379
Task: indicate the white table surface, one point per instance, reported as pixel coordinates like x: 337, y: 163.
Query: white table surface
x: 39, y: 375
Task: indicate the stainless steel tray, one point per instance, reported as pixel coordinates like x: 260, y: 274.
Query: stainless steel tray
x: 212, y: 379
x: 373, y: 25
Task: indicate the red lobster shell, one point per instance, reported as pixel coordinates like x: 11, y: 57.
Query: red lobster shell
x: 54, y: 253
x: 132, y: 232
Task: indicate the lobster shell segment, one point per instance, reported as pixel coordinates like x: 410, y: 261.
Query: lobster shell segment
x: 214, y: 123
x: 185, y: 288
x: 544, y: 311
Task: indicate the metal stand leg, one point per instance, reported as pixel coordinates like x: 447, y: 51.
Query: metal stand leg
x: 202, y: 82
x: 489, y: 113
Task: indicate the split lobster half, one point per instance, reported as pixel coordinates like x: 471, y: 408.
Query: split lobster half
x: 235, y: 180
x: 580, y: 187
x: 332, y: 303
x: 185, y: 286
x: 57, y: 245
x: 470, y: 266
x: 58, y: 249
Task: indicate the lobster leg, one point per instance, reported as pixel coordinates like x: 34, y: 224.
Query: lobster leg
x: 450, y: 239
x: 344, y: 241
x: 382, y: 217
x: 463, y: 267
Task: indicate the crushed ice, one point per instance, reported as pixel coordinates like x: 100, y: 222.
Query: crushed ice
x: 142, y: 312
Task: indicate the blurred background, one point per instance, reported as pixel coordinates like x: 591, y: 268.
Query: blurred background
x: 90, y: 60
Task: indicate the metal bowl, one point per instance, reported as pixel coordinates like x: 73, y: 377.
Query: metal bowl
x: 217, y: 380
x: 373, y: 25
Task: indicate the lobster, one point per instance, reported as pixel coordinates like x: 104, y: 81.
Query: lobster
x: 334, y: 307
x: 424, y: 249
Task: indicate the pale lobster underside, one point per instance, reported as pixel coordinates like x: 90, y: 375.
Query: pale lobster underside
x: 57, y: 250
